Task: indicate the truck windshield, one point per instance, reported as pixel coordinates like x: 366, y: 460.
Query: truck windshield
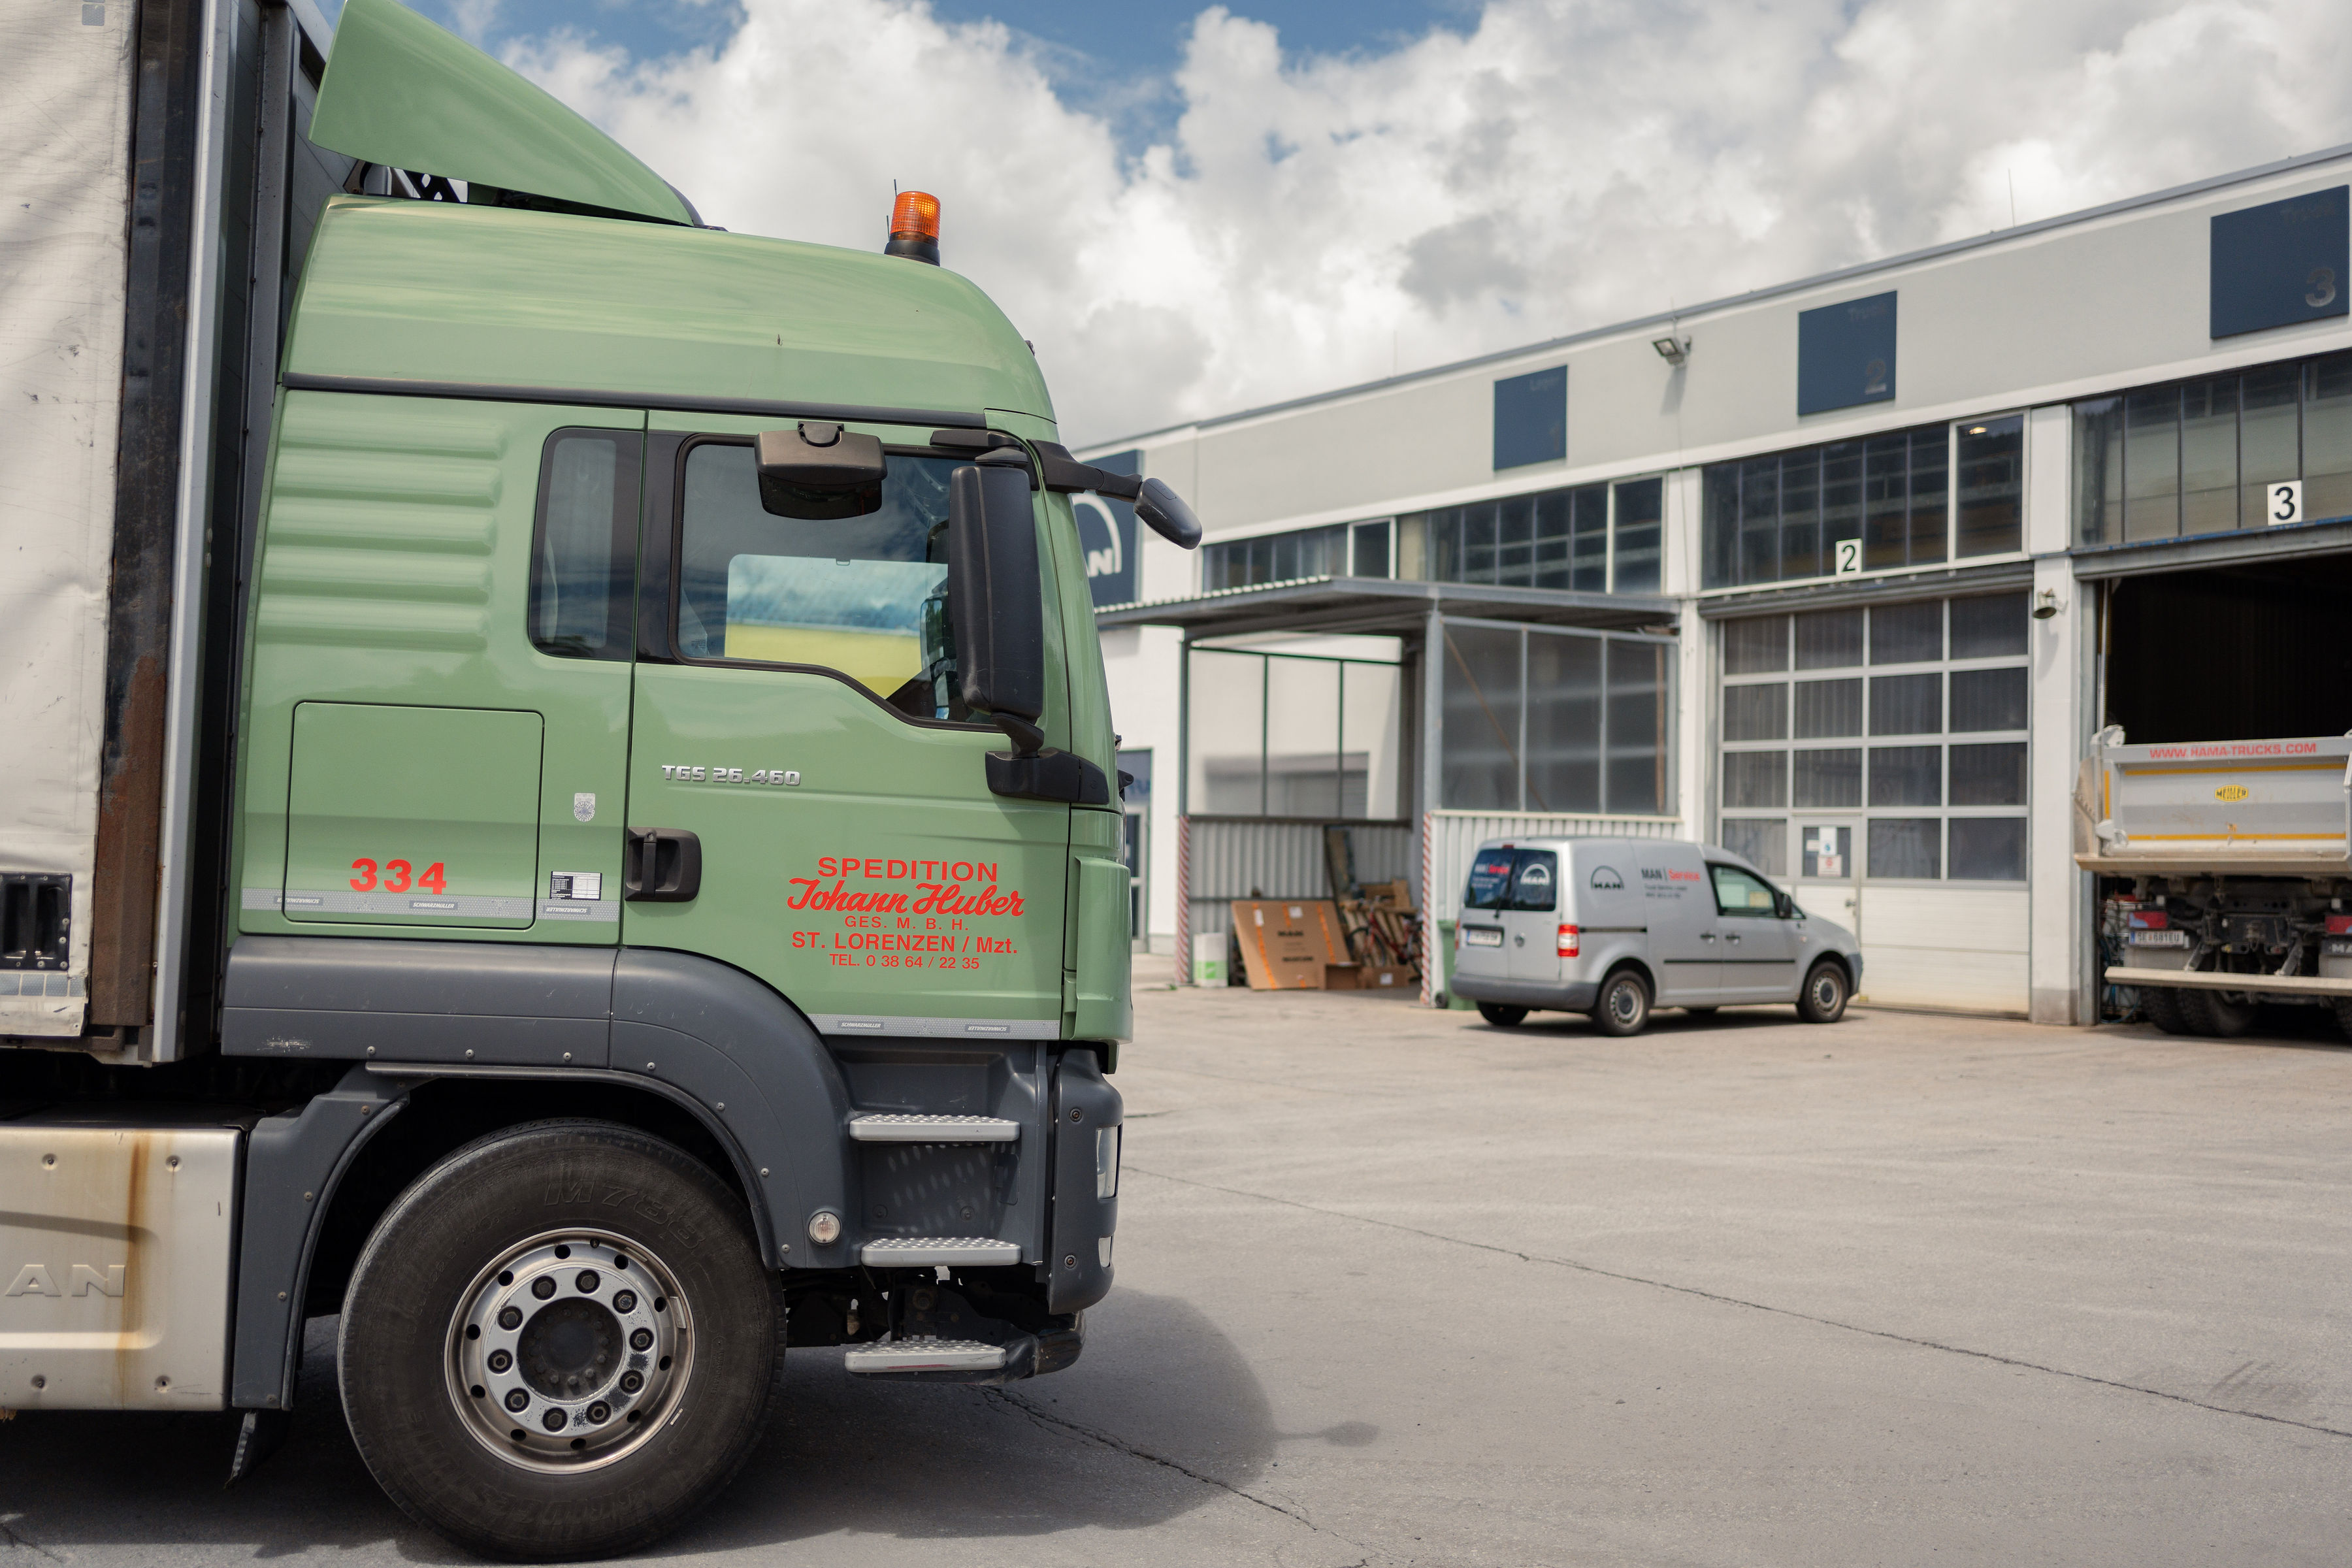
x: 1512, y: 879
x: 848, y: 595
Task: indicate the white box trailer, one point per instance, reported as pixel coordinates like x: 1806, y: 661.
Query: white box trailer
x: 2232, y: 866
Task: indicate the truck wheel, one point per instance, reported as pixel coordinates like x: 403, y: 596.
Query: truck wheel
x: 559, y: 1343
x: 1823, y: 1000
x: 1623, y: 1005
x: 2161, y: 1006
x: 2211, y: 1013
x: 2342, y: 1007
x: 1501, y: 1017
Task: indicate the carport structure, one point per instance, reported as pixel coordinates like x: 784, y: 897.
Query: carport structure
x: 1503, y: 711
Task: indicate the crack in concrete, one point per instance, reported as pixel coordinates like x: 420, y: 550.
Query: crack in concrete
x: 1705, y: 1295
x: 18, y: 1541
x: 1121, y: 1445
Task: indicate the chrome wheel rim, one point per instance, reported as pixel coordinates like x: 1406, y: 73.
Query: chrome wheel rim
x: 569, y: 1351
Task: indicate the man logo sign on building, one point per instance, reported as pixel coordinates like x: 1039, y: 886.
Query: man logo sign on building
x: 1107, y: 533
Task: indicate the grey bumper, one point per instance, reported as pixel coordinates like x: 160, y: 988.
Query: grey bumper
x: 1572, y: 998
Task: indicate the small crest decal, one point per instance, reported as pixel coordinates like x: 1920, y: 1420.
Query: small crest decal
x: 584, y: 807
x: 2231, y: 792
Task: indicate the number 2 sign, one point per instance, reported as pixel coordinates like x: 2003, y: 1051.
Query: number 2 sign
x: 1849, y: 558
x: 2283, y: 502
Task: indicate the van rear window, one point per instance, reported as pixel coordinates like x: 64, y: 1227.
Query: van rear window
x: 1512, y: 879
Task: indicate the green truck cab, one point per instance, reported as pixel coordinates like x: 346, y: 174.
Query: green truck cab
x: 674, y: 902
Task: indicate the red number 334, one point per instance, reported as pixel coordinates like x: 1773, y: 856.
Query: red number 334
x: 399, y: 875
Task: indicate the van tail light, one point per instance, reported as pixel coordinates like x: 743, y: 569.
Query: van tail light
x: 1569, y: 940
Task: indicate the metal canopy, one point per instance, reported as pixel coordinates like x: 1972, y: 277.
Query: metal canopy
x: 1386, y: 605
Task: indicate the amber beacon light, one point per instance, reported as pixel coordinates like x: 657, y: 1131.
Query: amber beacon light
x: 915, y: 226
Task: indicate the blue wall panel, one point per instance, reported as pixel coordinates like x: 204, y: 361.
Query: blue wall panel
x: 1846, y: 354
x: 2281, y: 263
x: 1532, y: 418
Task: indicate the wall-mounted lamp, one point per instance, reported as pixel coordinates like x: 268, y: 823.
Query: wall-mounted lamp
x: 2045, y: 604
x: 1674, y: 351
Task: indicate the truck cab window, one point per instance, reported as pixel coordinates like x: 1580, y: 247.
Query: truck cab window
x: 862, y: 597
x: 583, y: 555
x: 1738, y: 892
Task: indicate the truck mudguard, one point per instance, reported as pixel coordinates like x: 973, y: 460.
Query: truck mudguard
x: 1089, y: 1122
x: 725, y: 1046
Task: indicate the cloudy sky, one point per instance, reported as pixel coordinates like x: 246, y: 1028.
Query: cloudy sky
x: 1192, y: 211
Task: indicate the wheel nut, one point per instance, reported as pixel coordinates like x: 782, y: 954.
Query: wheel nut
x: 643, y: 1340
x: 632, y: 1380
x: 500, y: 1361
x: 543, y: 1286
x: 600, y: 1412
x: 587, y: 1282
x: 517, y: 1400
x: 510, y: 1316
x: 554, y: 1420
x: 627, y: 1302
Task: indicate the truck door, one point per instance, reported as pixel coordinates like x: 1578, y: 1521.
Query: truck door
x: 805, y: 801
x: 1757, y: 949
x: 1684, y: 942
x: 1531, y: 925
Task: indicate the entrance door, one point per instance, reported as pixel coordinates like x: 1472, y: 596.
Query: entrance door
x: 1828, y: 879
x: 1759, y: 948
x: 806, y: 731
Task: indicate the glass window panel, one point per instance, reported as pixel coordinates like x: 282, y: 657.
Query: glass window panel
x: 1829, y: 639
x: 1478, y: 542
x: 2269, y: 445
x: 1228, y: 733
x: 1640, y: 515
x: 1742, y: 893
x: 1552, y: 529
x: 1535, y: 881
x: 1759, y: 520
x: 1907, y: 847
x: 583, y: 564
x: 1285, y: 558
x: 1828, y: 780
x: 1987, y: 776
x: 1756, y: 647
x: 1302, y: 729
x: 1719, y: 506
x: 1762, y: 842
x: 1755, y: 780
x: 1907, y: 775
x: 1907, y: 704
x: 1886, y: 483
x: 2099, y: 470
x: 1993, y: 627
x: 1827, y: 709
x: 1515, y: 540
x: 1592, y: 548
x: 1640, y: 779
x: 1930, y: 483
x: 2152, y: 464
x: 1906, y: 634
x: 1480, y: 767
x: 1563, y: 723
x: 1988, y: 848
x: 1441, y: 544
x: 1826, y: 850
x: 1371, y: 741
x: 2209, y: 456
x: 1989, y: 698
x: 1992, y: 486
x: 1756, y: 713
x: 2327, y: 439
x: 1840, y: 497
x: 1800, y: 515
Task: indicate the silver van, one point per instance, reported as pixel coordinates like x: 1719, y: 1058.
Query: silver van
x: 1612, y: 927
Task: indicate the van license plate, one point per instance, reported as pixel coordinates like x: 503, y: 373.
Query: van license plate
x: 1482, y: 936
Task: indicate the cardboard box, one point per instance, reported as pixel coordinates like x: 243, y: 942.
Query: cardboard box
x: 1289, y: 944
x: 1382, y: 979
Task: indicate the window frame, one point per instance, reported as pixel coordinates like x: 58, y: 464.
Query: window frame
x: 625, y: 543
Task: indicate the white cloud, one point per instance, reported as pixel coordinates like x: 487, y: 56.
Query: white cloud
x: 1564, y: 164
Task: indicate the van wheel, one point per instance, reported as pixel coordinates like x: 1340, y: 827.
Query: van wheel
x: 1823, y: 1000
x: 1502, y: 1017
x: 559, y: 1343
x: 1623, y: 1005
x: 2160, y: 1004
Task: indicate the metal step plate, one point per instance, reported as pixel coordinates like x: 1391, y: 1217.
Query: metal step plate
x: 923, y: 1252
x: 925, y: 1355
x: 894, y: 1127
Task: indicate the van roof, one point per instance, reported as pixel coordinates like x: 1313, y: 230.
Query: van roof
x: 449, y: 297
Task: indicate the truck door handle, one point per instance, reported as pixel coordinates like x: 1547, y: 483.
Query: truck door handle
x: 661, y: 866
x: 1733, y: 939
x: 1706, y: 936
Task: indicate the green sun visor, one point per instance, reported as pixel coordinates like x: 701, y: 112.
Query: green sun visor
x: 405, y: 92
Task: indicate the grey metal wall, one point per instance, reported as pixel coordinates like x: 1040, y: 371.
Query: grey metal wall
x: 1282, y: 859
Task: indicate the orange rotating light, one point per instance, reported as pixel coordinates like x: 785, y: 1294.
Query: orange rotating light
x: 915, y: 226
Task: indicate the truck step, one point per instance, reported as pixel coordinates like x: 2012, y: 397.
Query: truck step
x: 897, y: 1127
x: 924, y: 1356
x: 924, y: 1251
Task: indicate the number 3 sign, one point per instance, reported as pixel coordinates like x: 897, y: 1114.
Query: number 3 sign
x: 2283, y: 502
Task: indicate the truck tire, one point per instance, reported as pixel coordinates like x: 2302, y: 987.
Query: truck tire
x: 2161, y: 1006
x: 1502, y: 1016
x: 559, y: 1343
x: 1623, y: 1007
x: 2342, y: 1007
x: 1823, y: 1000
x: 2212, y: 1014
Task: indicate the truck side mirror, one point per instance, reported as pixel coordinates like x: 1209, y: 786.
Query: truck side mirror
x: 996, y: 599
x: 1168, y: 515
x: 820, y: 472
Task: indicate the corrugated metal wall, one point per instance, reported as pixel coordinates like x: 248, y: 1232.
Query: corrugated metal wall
x: 1282, y: 859
x: 1454, y: 835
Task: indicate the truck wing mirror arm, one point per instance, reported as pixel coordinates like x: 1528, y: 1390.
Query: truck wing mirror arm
x: 1154, y: 502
